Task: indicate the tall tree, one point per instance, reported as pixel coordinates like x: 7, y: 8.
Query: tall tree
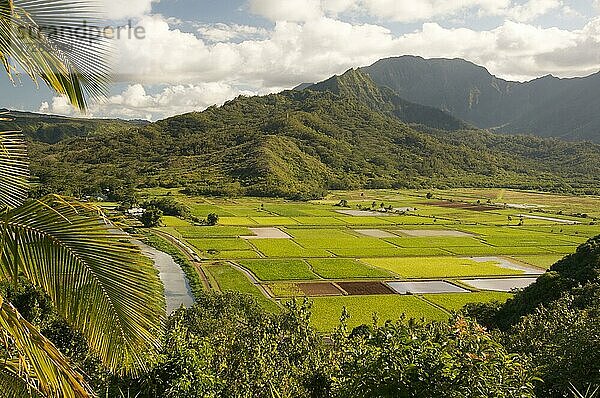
x: 97, y: 279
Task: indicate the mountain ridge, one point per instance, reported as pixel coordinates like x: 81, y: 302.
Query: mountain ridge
x: 358, y: 85
x: 548, y: 106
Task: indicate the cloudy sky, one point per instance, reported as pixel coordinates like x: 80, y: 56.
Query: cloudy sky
x: 196, y: 53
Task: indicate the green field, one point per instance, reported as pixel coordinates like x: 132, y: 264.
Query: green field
x: 507, y: 250
x: 440, y: 242
x: 238, y: 221
x: 344, y: 243
x: 426, y: 243
x: 230, y: 279
x: 170, y: 221
x: 231, y: 254
x: 286, y: 249
x: 321, y: 233
x: 279, y: 270
x: 274, y: 221
x: 345, y: 268
x: 439, y: 267
x: 542, y: 261
x: 328, y: 310
x: 319, y: 221
x: 388, y: 252
x: 456, y: 301
x: 213, y: 232
x: 285, y: 290
x: 220, y: 244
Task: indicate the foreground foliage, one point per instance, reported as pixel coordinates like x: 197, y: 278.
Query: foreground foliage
x: 555, y: 322
x: 453, y: 359
x: 97, y: 280
x: 226, y: 346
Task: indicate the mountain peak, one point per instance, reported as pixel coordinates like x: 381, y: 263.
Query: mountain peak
x: 353, y: 84
x: 359, y: 86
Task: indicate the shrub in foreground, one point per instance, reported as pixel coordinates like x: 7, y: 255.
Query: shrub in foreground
x: 447, y: 359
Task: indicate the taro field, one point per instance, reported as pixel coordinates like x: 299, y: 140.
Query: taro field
x: 383, y: 255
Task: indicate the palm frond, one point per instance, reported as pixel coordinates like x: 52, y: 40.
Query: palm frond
x: 100, y: 282
x: 58, y: 41
x: 14, y: 169
x: 589, y: 393
x: 16, y: 386
x: 40, y: 369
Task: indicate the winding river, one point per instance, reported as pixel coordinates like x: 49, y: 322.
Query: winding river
x: 177, y: 287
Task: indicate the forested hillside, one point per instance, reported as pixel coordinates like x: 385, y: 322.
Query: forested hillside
x: 299, y: 144
x: 52, y: 129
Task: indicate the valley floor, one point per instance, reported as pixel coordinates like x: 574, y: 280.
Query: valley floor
x: 384, y: 253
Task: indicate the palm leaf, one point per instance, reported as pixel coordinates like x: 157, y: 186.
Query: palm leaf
x: 99, y: 282
x: 57, y: 41
x: 14, y: 169
x: 40, y: 370
x: 591, y: 392
x: 16, y: 386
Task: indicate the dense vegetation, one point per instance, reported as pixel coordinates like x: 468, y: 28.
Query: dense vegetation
x: 299, y: 144
x: 53, y: 129
x: 227, y: 346
x: 547, y: 107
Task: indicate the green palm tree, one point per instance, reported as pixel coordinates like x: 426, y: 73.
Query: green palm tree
x: 98, y: 281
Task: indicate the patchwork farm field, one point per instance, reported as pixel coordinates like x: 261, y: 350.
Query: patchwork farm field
x: 387, y: 253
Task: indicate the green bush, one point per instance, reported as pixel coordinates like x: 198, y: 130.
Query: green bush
x: 449, y: 359
x: 563, y: 342
x: 151, y: 217
x: 569, y: 273
x: 169, y: 207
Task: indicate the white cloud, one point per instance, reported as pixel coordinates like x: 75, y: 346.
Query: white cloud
x: 423, y: 10
x: 220, y: 61
x: 402, y: 10
x: 296, y: 52
x: 339, y: 6
x: 287, y: 10
x: 136, y: 103
x: 121, y: 9
x: 221, y: 32
x: 532, y: 9
x: 513, y: 50
x: 59, y: 106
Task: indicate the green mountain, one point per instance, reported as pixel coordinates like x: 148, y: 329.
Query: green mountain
x: 357, y: 85
x: 53, y: 129
x: 298, y: 144
x: 547, y: 107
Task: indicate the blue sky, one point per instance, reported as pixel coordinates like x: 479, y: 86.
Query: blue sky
x: 197, y: 53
